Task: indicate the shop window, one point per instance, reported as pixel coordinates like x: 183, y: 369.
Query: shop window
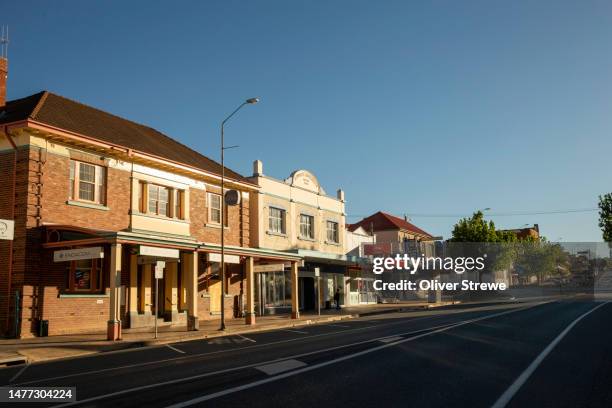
x: 84, y: 276
x: 276, y: 220
x: 332, y: 232
x: 87, y: 182
x: 306, y: 226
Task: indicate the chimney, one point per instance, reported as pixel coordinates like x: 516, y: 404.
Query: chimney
x: 258, y: 168
x: 340, y: 194
x: 3, y: 77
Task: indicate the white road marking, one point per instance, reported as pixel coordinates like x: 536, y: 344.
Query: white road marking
x: 175, y: 349
x: 206, y: 354
x: 330, y: 362
x: 246, y: 338
x: 281, y: 366
x: 505, y: 398
x: 18, y: 373
x: 227, y: 370
x: 390, y: 339
x: 337, y: 325
x: 295, y: 331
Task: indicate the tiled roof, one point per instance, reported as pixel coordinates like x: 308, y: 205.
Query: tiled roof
x: 381, y: 221
x: 57, y: 111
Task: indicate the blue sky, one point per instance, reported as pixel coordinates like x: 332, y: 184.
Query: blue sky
x: 432, y: 109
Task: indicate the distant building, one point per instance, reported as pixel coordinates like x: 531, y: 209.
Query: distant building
x: 524, y: 233
x: 393, y: 234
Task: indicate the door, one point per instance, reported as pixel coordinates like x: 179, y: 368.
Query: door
x: 215, y: 297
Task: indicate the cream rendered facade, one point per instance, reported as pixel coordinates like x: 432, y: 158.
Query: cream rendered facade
x: 296, y: 216
x: 299, y: 194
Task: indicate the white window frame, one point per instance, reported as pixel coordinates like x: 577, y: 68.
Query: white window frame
x: 218, y: 207
x: 335, y: 231
x: 99, y: 182
x: 276, y: 223
x: 307, y: 228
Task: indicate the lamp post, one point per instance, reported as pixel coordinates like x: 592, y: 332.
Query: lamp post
x: 249, y: 101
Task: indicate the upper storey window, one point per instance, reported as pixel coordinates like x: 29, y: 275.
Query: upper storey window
x: 160, y: 200
x: 87, y: 182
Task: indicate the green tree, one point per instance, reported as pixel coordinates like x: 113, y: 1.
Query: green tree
x: 499, y: 246
x: 543, y: 260
x: 605, y: 216
x: 477, y: 229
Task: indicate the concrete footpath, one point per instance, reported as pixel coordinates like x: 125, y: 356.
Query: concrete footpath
x: 29, y: 350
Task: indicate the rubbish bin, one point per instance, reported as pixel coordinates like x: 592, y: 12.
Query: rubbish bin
x: 43, y: 328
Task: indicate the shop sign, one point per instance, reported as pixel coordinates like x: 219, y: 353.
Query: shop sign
x: 7, y: 229
x: 78, y: 254
x: 159, y: 252
x: 229, y: 259
x: 269, y: 268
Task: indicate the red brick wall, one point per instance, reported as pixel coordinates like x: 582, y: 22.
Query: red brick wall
x: 7, y: 300
x: 237, y: 220
x: 42, y: 194
x: 56, y: 193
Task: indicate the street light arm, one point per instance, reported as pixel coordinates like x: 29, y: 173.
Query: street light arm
x: 233, y: 113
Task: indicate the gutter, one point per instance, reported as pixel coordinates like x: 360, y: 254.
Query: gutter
x: 131, y: 152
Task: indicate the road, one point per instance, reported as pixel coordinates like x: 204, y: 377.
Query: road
x: 541, y: 354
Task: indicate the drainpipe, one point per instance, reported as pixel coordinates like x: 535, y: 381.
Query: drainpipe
x: 12, y: 217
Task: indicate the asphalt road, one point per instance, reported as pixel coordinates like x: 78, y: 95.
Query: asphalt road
x: 553, y: 354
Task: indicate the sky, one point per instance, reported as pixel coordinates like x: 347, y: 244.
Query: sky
x: 430, y: 109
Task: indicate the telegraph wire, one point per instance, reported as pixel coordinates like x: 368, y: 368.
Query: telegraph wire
x: 488, y: 214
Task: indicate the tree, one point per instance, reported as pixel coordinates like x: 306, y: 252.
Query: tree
x: 605, y: 216
x: 498, y: 246
x: 477, y: 229
x: 543, y: 260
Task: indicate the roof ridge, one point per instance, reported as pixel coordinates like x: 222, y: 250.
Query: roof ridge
x: 39, y: 104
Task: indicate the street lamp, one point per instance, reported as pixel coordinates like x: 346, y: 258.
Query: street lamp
x: 249, y: 101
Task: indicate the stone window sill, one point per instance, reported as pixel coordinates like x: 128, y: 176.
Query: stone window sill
x: 83, y: 295
x: 332, y: 243
x: 88, y: 205
x: 160, y: 217
x: 277, y: 234
x: 217, y: 226
x: 307, y: 239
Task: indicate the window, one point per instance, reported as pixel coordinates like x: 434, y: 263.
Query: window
x: 87, y: 182
x: 214, y: 208
x: 84, y: 276
x: 332, y: 232
x: 158, y: 200
x: 178, y: 203
x: 306, y: 226
x: 276, y: 220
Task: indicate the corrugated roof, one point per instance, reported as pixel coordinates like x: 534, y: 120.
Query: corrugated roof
x: 60, y: 112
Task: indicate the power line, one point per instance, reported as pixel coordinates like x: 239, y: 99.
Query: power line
x: 501, y: 214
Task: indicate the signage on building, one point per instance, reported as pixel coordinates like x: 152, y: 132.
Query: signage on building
x: 229, y: 259
x: 317, y: 272
x: 269, y: 268
x: 78, y: 254
x: 159, y: 252
x: 377, y: 249
x: 159, y: 269
x: 7, y: 229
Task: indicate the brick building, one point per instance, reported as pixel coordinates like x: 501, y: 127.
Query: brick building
x: 97, y: 200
